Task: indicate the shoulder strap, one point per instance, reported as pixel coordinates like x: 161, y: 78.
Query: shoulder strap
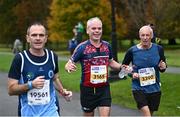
x: 52, y: 56
x: 22, y: 61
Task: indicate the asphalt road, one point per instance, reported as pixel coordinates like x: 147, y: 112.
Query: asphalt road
x: 8, y: 104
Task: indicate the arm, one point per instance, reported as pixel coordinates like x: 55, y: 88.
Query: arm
x: 59, y: 87
x: 128, y: 58
x: 162, y: 64
x: 70, y: 65
x: 115, y: 65
x: 16, y: 89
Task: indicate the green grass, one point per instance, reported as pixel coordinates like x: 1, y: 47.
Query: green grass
x: 121, y: 90
x: 70, y: 81
x: 121, y: 93
x: 5, y: 61
x: 172, y: 57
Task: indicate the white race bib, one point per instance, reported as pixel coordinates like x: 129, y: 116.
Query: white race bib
x: 98, y: 74
x: 147, y: 76
x: 39, y: 96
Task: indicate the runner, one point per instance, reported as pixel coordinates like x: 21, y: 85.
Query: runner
x: 33, y: 74
x: 95, y: 56
x: 147, y: 60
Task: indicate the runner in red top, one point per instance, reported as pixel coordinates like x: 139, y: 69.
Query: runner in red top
x: 95, y: 55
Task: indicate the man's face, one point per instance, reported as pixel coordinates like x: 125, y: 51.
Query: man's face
x: 145, y: 36
x: 94, y: 30
x: 37, y: 37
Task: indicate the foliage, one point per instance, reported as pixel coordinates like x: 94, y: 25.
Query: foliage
x: 16, y: 15
x: 63, y: 15
x: 164, y: 14
x: 29, y: 11
x: 66, y: 14
x: 7, y: 21
x: 167, y: 18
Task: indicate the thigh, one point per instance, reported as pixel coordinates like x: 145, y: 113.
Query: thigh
x: 87, y: 99
x: 140, y: 98
x: 154, y: 101
x: 104, y: 96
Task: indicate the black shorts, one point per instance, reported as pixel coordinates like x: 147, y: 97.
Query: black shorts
x: 152, y: 100
x: 94, y: 97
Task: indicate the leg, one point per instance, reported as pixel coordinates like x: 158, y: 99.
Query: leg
x: 88, y: 100
x: 89, y: 114
x: 104, y: 111
x: 154, y: 101
x: 145, y: 111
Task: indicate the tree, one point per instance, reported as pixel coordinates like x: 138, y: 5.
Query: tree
x: 164, y: 14
x: 167, y: 19
x: 28, y: 11
x: 7, y: 21
x: 65, y: 14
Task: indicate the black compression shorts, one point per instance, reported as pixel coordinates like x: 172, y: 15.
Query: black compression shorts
x: 152, y: 100
x: 94, y: 97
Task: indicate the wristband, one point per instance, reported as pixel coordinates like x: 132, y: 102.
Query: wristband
x: 30, y: 86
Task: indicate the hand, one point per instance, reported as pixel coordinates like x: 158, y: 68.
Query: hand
x: 38, y: 82
x: 70, y: 66
x: 67, y: 95
x: 126, y: 68
x: 162, y: 65
x: 135, y: 75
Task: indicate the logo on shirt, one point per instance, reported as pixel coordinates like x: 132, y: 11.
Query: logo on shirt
x: 51, y: 74
x: 41, y: 69
x: 30, y: 75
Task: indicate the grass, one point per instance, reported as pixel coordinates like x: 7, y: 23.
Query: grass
x: 172, y: 57
x: 121, y: 90
x: 5, y: 61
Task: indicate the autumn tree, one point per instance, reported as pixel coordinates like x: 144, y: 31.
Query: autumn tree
x: 28, y: 11
x: 65, y: 14
x: 164, y: 14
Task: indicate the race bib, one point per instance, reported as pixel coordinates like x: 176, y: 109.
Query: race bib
x: 39, y: 96
x: 98, y: 74
x: 147, y: 76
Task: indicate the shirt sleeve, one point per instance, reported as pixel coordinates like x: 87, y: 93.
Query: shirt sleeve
x: 110, y: 52
x: 161, y: 53
x: 77, y: 54
x: 128, y: 57
x: 162, y: 56
x: 15, y: 69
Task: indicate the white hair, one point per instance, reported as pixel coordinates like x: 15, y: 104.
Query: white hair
x: 147, y: 27
x: 89, y: 22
